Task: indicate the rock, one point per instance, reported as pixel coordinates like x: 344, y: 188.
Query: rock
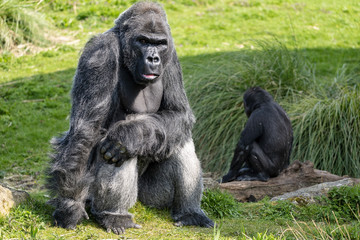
x: 209, y: 182
x: 309, y: 193
x: 10, y: 198
x: 297, y: 175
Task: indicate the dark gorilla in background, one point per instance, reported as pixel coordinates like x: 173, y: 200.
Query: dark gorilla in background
x: 130, y: 130
x: 265, y: 143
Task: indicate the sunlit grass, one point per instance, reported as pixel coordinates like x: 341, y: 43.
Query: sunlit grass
x: 326, y: 131
x: 21, y: 23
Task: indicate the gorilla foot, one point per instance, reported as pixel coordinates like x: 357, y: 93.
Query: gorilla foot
x: 117, y: 223
x: 230, y: 176
x: 69, y: 214
x: 263, y: 177
x: 194, y: 219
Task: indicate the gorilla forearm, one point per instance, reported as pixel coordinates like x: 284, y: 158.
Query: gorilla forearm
x: 253, y: 130
x: 156, y: 135
x: 74, y: 147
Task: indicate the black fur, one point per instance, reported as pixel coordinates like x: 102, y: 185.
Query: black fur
x: 265, y: 144
x: 130, y: 123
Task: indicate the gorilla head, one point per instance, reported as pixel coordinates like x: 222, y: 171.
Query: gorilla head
x: 146, y: 41
x: 254, y: 98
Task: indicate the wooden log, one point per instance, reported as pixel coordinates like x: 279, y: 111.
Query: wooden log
x: 297, y: 175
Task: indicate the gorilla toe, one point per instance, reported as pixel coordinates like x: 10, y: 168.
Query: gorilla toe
x: 194, y: 219
x: 117, y: 223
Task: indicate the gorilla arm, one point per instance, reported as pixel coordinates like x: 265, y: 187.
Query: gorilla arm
x: 94, y: 82
x: 253, y: 129
x: 91, y: 95
x: 156, y: 134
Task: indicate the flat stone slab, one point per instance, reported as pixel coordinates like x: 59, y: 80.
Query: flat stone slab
x: 309, y: 193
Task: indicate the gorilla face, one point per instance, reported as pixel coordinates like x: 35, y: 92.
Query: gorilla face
x: 150, y: 48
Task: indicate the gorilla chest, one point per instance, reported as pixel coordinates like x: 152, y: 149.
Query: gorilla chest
x: 140, y: 99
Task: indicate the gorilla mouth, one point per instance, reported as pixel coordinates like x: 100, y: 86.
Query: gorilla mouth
x: 150, y: 76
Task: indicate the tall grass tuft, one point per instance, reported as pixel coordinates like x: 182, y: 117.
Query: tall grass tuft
x: 216, y: 97
x: 323, y: 230
x: 326, y: 132
x: 20, y: 23
x: 220, y: 204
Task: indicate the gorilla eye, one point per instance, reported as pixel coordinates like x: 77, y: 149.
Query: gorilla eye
x: 162, y: 42
x: 143, y: 41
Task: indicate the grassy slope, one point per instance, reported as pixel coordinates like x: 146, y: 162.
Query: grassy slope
x: 34, y: 101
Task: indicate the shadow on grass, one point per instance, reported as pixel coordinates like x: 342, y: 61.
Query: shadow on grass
x: 34, y: 109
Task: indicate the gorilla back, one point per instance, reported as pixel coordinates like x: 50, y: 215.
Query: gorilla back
x: 265, y: 143
x: 130, y: 129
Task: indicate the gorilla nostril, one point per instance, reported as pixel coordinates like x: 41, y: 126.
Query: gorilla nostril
x: 154, y: 60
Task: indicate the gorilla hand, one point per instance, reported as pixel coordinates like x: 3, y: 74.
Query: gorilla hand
x: 68, y: 213
x: 114, y: 152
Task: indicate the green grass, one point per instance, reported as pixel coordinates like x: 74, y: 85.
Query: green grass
x: 306, y: 54
x: 327, y: 132
x: 20, y: 23
x: 329, y: 218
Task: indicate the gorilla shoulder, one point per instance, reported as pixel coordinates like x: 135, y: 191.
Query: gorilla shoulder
x: 101, y: 50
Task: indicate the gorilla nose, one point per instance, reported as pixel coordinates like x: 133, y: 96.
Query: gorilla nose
x: 153, y: 60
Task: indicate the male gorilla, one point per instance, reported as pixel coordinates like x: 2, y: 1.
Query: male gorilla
x: 130, y: 130
x: 265, y: 143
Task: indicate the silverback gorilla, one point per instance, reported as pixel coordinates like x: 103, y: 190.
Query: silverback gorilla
x: 130, y: 130
x: 266, y: 141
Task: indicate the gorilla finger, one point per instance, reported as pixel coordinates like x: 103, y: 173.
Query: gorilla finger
x: 102, y: 150
x: 108, y: 156
x: 114, y: 160
x: 104, y: 147
x: 115, y: 231
x: 119, y: 230
x: 123, y: 150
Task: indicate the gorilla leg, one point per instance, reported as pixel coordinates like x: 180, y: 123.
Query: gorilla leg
x: 176, y: 183
x: 114, y: 191
x: 261, y: 166
x: 237, y: 163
